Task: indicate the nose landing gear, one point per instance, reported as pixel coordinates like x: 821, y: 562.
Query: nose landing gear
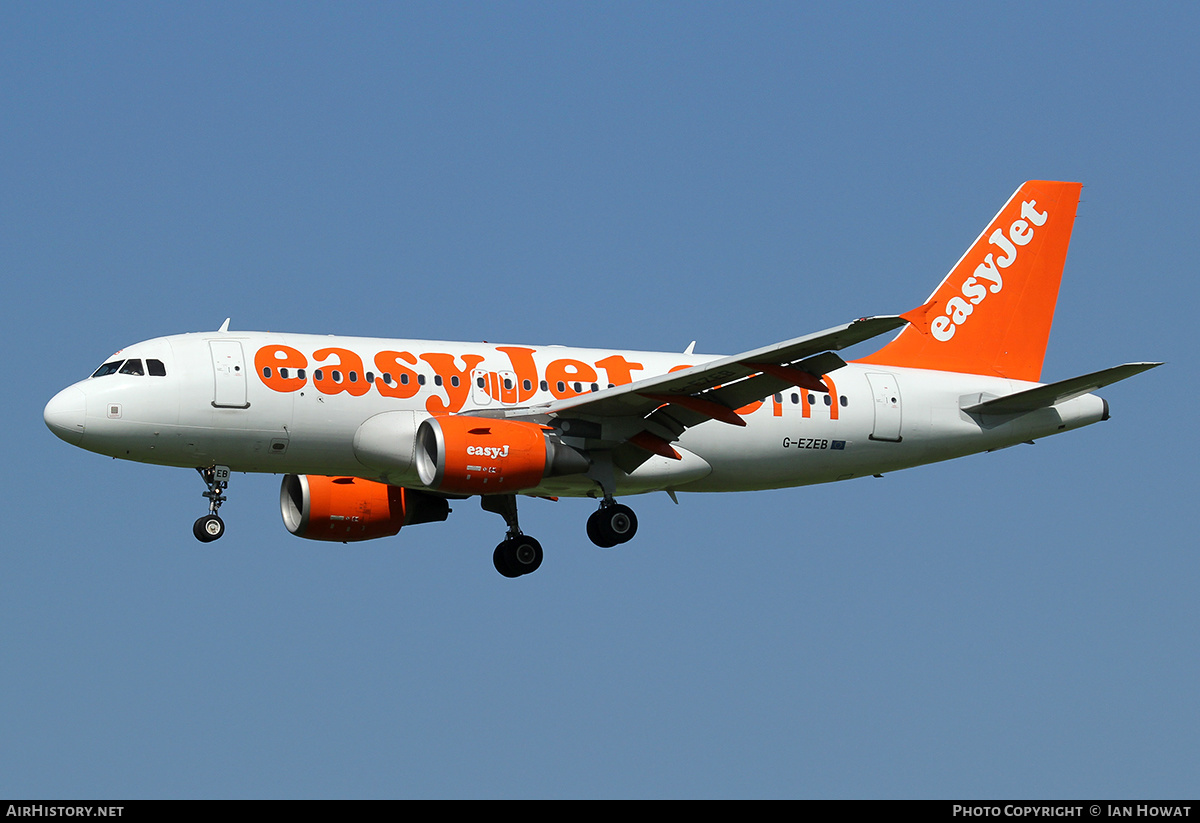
x: 211, y: 526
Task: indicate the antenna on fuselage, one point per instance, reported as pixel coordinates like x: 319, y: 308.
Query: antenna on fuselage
x: 691, y: 347
x: 225, y: 325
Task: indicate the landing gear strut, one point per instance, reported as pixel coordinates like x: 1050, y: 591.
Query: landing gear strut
x: 210, y: 527
x: 519, y: 553
x: 611, y: 524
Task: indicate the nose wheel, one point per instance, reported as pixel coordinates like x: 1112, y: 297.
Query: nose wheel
x: 208, y: 528
x: 611, y: 525
x: 211, y: 526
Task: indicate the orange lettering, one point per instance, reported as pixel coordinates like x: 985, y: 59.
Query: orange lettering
x: 270, y: 359
x: 404, y: 380
x: 456, y: 382
x: 832, y: 397
x: 619, y: 370
x: 564, y: 372
x: 346, y: 375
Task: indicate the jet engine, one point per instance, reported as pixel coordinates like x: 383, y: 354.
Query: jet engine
x: 346, y: 509
x: 480, y: 455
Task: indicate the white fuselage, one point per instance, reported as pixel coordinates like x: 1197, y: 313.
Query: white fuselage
x: 307, y: 404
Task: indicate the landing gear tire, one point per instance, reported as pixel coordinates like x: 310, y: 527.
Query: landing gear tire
x: 612, y: 525
x: 208, y: 528
x: 518, y: 555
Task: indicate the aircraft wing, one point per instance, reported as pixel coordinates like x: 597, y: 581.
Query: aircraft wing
x: 652, y: 412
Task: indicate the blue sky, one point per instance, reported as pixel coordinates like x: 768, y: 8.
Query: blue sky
x: 1022, y: 623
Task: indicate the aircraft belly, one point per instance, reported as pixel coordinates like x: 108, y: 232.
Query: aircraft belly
x: 780, y: 447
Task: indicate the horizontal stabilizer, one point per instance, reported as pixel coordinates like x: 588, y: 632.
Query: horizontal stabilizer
x: 1054, y: 393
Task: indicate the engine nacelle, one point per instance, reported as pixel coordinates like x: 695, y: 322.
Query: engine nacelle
x: 346, y: 509
x: 482, y: 455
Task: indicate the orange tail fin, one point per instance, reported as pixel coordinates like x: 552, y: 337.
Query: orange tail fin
x: 992, y: 313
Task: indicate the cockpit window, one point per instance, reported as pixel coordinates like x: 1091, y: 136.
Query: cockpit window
x: 154, y: 368
x: 108, y: 368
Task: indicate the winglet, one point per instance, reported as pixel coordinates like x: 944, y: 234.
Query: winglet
x: 225, y: 325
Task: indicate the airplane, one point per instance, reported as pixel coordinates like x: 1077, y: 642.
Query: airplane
x: 374, y: 434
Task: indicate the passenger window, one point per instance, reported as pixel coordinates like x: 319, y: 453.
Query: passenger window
x: 132, y: 367
x: 155, y: 368
x: 108, y: 368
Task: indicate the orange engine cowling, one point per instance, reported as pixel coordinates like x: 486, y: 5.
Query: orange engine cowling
x: 346, y: 509
x: 480, y: 455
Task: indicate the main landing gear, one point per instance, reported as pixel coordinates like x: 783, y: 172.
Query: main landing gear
x: 519, y: 553
x: 210, y: 527
x: 611, y: 524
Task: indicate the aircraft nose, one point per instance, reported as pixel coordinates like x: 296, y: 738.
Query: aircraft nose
x: 64, y: 415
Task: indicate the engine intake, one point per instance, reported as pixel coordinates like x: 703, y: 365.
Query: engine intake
x: 480, y: 455
x: 346, y: 509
